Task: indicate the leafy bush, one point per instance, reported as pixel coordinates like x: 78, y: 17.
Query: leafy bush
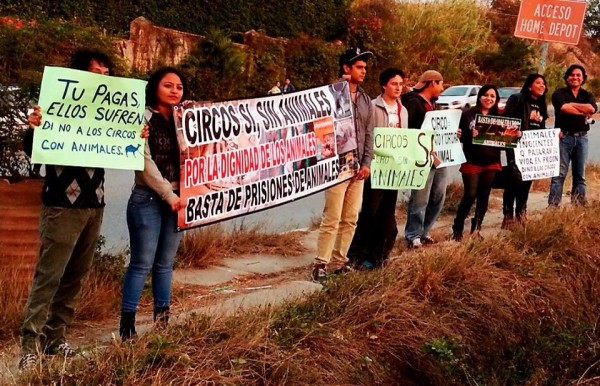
x: 14, y: 164
x: 442, y: 35
x: 215, y: 68
x: 324, y: 18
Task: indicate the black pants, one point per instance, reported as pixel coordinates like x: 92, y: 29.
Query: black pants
x: 476, y: 187
x: 516, y: 194
x: 376, y: 229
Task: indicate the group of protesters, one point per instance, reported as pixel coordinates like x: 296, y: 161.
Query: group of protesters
x: 358, y: 227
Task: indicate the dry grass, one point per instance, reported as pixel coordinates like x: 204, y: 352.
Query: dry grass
x: 520, y: 308
x: 13, y: 293
x: 205, y: 246
x: 454, y: 193
x: 99, y: 299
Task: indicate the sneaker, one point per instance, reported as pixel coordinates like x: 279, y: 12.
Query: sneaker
x: 28, y: 362
x: 368, y: 265
x: 414, y: 243
x: 63, y: 349
x: 319, y: 273
x: 428, y: 240
x: 344, y: 269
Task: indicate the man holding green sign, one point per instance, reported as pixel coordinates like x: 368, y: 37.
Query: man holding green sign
x: 73, y: 196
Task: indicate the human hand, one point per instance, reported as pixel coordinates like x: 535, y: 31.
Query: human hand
x: 175, y: 203
x: 458, y: 133
x: 363, y: 173
x: 436, y: 160
x: 145, y: 133
x: 35, y: 118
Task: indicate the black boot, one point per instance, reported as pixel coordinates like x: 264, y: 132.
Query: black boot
x: 127, y: 326
x: 457, y: 230
x: 161, y: 316
x: 474, y: 225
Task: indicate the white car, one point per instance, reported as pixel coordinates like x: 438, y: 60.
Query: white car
x: 458, y: 97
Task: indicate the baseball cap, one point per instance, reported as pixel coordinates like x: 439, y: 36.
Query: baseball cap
x: 428, y: 76
x: 353, y: 54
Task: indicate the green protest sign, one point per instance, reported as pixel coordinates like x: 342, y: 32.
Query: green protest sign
x: 90, y: 120
x: 402, y: 158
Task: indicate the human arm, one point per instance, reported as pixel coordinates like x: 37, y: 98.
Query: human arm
x: 512, y: 109
x: 578, y: 108
x: 368, y: 147
x: 152, y: 177
x: 34, y: 119
x: 464, y: 127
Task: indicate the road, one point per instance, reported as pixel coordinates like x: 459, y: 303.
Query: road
x: 298, y: 214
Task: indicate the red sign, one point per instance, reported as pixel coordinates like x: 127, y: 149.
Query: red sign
x: 558, y: 21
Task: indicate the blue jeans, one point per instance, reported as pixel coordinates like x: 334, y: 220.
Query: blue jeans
x: 154, y: 242
x: 425, y: 205
x: 575, y: 150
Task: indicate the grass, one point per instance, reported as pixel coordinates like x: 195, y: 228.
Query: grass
x: 99, y: 299
x: 205, y: 246
x: 519, y: 308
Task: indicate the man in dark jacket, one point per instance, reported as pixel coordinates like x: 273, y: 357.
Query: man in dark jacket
x: 376, y: 230
x: 343, y: 201
x: 573, y: 107
x: 424, y: 205
x: 288, y: 86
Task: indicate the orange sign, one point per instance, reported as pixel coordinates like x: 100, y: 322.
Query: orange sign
x: 558, y: 21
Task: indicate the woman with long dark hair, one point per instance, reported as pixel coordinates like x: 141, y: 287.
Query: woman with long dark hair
x: 483, y: 162
x: 154, y: 202
x: 529, y: 105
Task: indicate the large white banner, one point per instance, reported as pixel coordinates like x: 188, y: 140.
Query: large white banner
x: 446, y: 144
x: 242, y: 156
x: 538, y: 154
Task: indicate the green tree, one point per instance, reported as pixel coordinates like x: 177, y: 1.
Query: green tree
x: 26, y: 48
x: 592, y: 22
x: 506, y: 60
x: 442, y: 35
x: 215, y: 68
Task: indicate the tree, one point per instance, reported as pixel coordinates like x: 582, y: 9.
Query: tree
x: 592, y: 22
x: 215, y: 68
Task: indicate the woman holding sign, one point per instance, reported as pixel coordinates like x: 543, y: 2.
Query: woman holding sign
x: 529, y: 105
x: 153, y: 204
x: 483, y: 162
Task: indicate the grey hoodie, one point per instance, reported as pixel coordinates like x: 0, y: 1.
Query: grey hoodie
x: 380, y: 114
x: 363, y: 120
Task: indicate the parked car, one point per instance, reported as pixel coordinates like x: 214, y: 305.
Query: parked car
x: 458, y: 97
x: 506, y: 92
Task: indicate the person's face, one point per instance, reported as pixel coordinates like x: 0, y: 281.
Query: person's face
x: 488, y: 99
x: 575, y: 78
x: 437, y: 86
x: 98, y: 68
x: 170, y: 90
x: 393, y: 87
x: 277, y: 84
x: 287, y: 81
x: 538, y: 87
x: 357, y: 71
